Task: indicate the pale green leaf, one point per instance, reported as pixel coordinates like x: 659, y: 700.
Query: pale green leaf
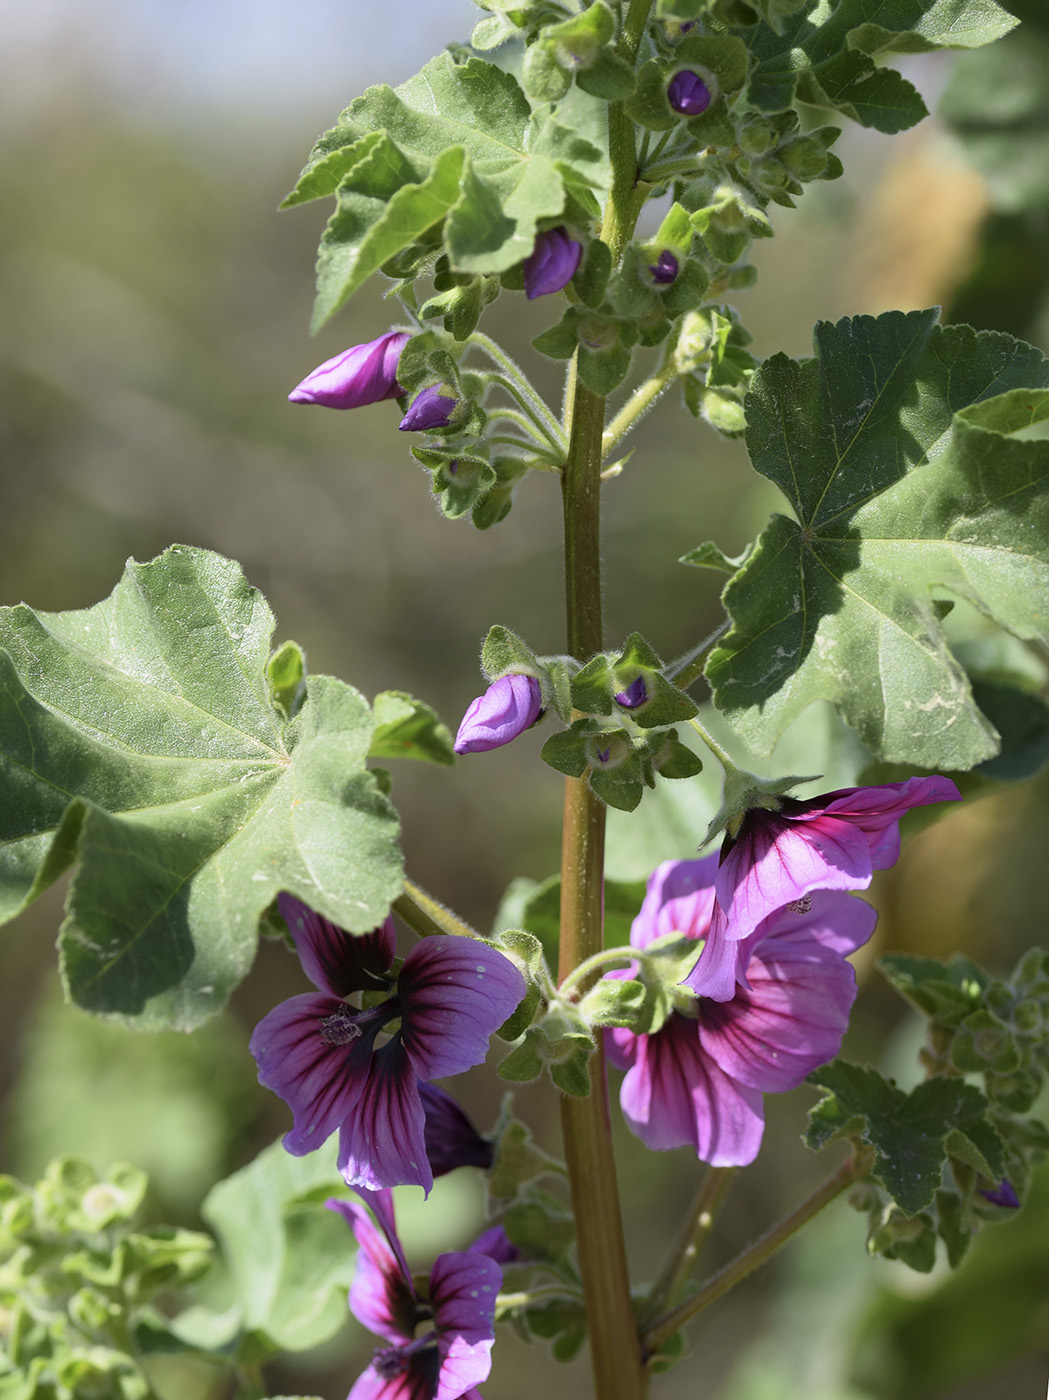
x: 138, y: 738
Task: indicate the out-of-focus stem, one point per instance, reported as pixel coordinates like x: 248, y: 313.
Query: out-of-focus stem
x: 426, y: 916
x: 684, y: 1252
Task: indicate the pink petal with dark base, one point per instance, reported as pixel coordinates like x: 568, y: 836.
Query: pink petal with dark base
x: 382, y: 1296
x: 454, y: 994
x: 463, y: 1289
x: 679, y: 898
x: 676, y: 1096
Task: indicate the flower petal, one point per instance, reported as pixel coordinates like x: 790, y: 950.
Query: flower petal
x: 676, y: 1096
x: 454, y: 994
x: 463, y: 1289
x: 716, y: 972
x: 334, y: 960
x: 793, y: 1014
x: 321, y: 1083
x: 877, y: 810
x: 382, y: 1142
x: 451, y: 1139
x: 382, y: 1297
x: 679, y: 899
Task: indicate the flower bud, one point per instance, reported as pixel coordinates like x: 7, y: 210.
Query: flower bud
x: 361, y: 375
x: 634, y: 696
x: 552, y: 263
x: 508, y: 707
x: 665, y: 269
x: 688, y: 94
x: 430, y: 410
x: 451, y: 1139
x: 1003, y: 1195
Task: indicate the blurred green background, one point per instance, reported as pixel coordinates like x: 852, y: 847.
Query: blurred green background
x: 155, y: 312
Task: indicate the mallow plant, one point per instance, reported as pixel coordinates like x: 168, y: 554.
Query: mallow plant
x: 612, y: 162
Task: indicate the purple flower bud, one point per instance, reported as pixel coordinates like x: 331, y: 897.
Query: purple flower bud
x: 634, y: 696
x: 451, y: 1139
x: 1003, y: 1195
x: 552, y: 263
x: 361, y: 375
x: 665, y: 268
x: 430, y: 410
x: 508, y: 707
x: 688, y: 94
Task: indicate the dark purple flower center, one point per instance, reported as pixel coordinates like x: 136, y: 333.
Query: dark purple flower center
x: 665, y: 268
x: 420, y: 1357
x: 347, y: 1024
x: 340, y: 1028
x: 604, y: 754
x: 634, y: 696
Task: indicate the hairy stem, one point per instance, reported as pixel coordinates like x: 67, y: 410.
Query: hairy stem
x: 854, y: 1169
x: 692, y: 1236
x: 426, y: 916
x: 638, y: 404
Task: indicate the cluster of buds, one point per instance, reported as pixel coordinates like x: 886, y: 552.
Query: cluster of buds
x: 619, y: 710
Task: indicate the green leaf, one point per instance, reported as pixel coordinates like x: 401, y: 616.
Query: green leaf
x: 406, y: 728
x: 823, y: 53
x: 909, y: 1132
x: 138, y: 737
x: 290, y: 1258
x: 708, y: 555
x: 893, y: 446
x: 454, y: 154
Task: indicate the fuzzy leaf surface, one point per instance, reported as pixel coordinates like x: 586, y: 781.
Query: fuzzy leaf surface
x: 894, y: 447
x: 139, y: 739
x: 455, y: 155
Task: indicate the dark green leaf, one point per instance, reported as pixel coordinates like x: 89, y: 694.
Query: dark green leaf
x: 909, y: 1132
x: 138, y: 737
x: 893, y: 446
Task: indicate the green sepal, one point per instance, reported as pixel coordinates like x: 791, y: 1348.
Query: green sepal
x: 593, y: 686
x: 408, y: 728
x: 543, y: 76
x: 560, y: 342
x: 525, y: 951
x: 562, y: 1321
x: 592, y: 274
x: 504, y: 653
x: 648, y: 106
x: 543, y: 1228
x: 673, y: 759
x: 286, y: 674
x: 566, y: 751
x: 460, y: 478
x: 621, y: 787
x: 665, y: 704
x: 983, y: 1042
x: 524, y: 1063
x: 615, y: 1002
x: 609, y: 77
x: 558, y: 672
x: 910, y: 1239
x: 495, y: 505
x: 722, y: 55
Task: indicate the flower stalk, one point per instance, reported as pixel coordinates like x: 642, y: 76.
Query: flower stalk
x: 687, y: 1247
x: 853, y: 1169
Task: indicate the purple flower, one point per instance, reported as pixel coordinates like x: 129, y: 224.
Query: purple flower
x: 508, y: 707
x: 634, y: 696
x: 321, y: 1054
x: 778, y: 857
x: 431, y: 409
x: 452, y: 1356
x: 1003, y: 1195
x: 361, y: 375
x: 497, y: 1244
x: 552, y: 263
x: 687, y: 93
x: 665, y: 268
x: 451, y: 1139
x: 698, y: 1081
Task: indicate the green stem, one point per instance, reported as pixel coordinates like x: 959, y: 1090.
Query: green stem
x: 713, y: 745
x: 532, y: 1295
x: 685, y: 670
x: 533, y: 421
x: 691, y: 1237
x: 522, y: 390
x: 854, y: 1169
x: 607, y: 955
x: 637, y: 405
x: 427, y: 917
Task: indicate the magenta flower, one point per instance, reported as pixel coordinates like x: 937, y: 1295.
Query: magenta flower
x: 361, y: 375
x: 452, y: 1356
x: 832, y: 842
x: 451, y: 1139
x: 431, y: 409
x: 688, y: 94
x: 552, y: 263
x: 323, y: 1055
x: 698, y: 1081
x: 508, y: 707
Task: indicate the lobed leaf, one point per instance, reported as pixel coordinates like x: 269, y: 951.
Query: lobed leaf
x: 139, y: 738
x: 894, y: 447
